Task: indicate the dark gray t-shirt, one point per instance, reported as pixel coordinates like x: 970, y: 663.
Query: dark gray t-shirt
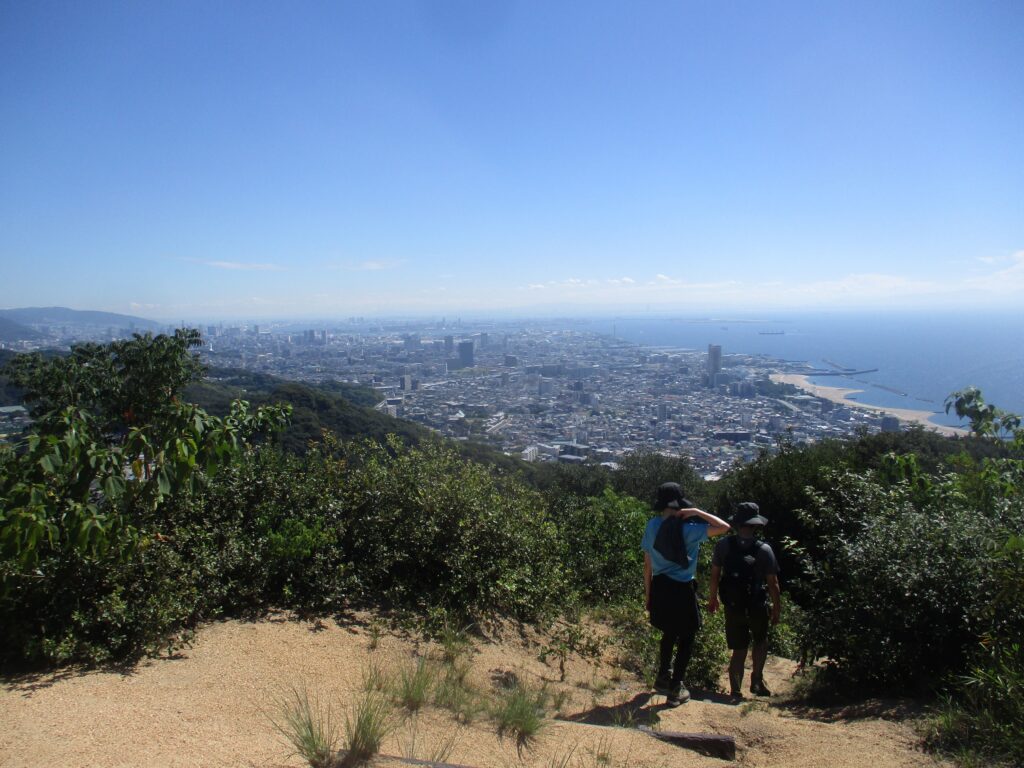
x: 765, y: 563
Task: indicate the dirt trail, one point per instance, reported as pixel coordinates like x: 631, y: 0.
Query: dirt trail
x: 212, y: 705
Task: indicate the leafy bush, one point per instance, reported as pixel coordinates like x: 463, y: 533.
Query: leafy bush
x: 601, y: 543
x: 900, y: 600
x: 85, y: 572
x: 425, y: 528
x: 984, y: 713
x: 880, y: 600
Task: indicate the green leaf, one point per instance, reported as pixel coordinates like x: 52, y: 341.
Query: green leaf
x: 163, y: 480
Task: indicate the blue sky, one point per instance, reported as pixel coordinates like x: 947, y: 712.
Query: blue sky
x: 196, y: 160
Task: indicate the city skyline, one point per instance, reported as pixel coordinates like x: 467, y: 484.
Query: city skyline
x: 187, y: 161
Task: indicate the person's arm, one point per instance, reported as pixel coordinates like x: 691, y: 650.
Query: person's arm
x: 776, y: 595
x: 647, y: 580
x: 716, y: 575
x: 716, y: 525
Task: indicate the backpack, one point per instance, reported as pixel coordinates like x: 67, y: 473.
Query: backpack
x: 739, y: 585
x: 670, y: 543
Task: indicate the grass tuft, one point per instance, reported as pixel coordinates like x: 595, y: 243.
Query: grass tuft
x: 519, y: 711
x: 458, y: 699
x: 415, y: 749
x: 309, y: 727
x: 366, y: 726
x: 376, y: 678
x: 454, y: 642
x: 412, y: 688
x: 564, y: 759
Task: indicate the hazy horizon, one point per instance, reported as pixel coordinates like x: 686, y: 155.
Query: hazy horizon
x: 446, y: 157
x: 750, y: 316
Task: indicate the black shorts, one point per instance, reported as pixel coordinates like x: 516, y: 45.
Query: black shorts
x: 674, y: 608
x: 742, y: 623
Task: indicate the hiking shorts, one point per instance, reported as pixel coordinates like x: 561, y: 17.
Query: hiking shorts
x: 674, y: 608
x: 744, y: 623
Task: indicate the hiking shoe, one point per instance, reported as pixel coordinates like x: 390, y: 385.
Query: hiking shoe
x: 678, y: 695
x: 758, y: 688
x: 736, y: 693
x: 663, y: 685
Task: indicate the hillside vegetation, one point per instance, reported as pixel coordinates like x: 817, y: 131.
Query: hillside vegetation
x: 132, y: 514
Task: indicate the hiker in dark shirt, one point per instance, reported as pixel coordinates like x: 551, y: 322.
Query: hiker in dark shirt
x: 669, y: 584
x: 744, y: 575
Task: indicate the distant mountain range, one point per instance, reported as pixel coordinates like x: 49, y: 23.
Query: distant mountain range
x: 29, y: 316
x: 12, y: 331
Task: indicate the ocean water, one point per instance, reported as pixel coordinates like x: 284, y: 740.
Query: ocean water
x: 921, y: 358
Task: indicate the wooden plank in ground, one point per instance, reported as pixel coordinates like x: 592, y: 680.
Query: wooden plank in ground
x: 710, y: 744
x: 382, y: 759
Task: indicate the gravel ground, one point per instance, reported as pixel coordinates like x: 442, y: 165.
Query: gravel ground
x: 213, y: 705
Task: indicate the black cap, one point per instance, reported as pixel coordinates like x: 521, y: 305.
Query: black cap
x: 748, y: 513
x: 670, y: 495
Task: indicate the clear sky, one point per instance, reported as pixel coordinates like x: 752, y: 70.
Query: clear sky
x: 191, y: 160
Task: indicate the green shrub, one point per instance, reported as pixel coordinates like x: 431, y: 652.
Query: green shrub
x: 901, y: 599
x: 601, y: 544
x: 786, y: 638
x: 427, y: 529
x: 983, y: 714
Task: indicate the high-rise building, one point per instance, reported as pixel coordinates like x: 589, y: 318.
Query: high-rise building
x: 466, y: 353
x: 714, y: 363
x: 449, y: 344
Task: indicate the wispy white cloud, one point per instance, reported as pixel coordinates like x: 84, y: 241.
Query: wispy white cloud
x: 1006, y: 258
x: 664, y: 280
x: 369, y: 265
x: 247, y: 267
x: 999, y: 283
x: 1003, y: 279
x: 237, y: 265
x: 1008, y: 280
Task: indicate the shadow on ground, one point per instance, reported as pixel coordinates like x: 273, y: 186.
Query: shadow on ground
x: 640, y: 710
x: 867, y: 709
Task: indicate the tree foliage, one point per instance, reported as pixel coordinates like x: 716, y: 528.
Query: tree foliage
x: 986, y: 420
x: 111, y: 442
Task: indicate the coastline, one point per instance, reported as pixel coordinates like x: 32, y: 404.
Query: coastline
x: 840, y: 394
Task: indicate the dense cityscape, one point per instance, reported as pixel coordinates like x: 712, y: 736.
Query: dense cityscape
x: 538, y: 391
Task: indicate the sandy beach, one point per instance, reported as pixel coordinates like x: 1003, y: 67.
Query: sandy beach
x: 841, y: 395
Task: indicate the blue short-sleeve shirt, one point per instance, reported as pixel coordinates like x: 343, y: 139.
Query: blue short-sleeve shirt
x: 694, y: 532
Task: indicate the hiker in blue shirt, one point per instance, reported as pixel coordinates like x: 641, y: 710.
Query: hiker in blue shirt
x: 669, y: 569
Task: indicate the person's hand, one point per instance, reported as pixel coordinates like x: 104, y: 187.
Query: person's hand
x: 776, y: 613
x: 712, y: 604
x: 647, y: 602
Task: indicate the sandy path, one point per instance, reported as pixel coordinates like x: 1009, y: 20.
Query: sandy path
x: 211, y: 707
x: 840, y: 395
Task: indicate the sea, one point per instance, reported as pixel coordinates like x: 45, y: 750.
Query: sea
x: 921, y: 358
